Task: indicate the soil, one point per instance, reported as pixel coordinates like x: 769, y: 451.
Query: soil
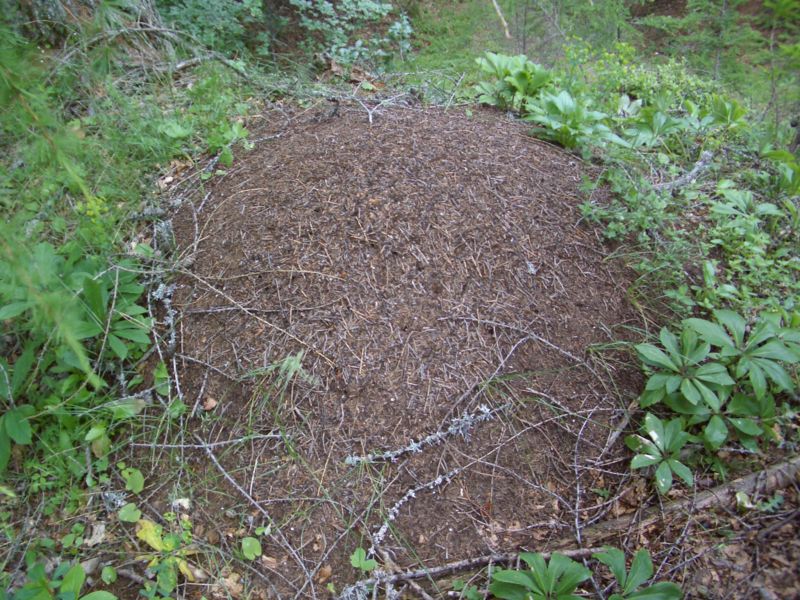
x: 422, y: 265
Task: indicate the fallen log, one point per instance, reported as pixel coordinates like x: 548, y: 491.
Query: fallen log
x: 764, y: 482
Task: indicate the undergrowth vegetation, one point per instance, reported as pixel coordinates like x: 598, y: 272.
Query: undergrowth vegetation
x: 692, y: 182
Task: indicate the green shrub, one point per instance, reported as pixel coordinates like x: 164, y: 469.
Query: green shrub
x: 338, y: 29
x: 514, y: 80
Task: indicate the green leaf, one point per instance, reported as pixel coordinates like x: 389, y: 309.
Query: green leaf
x: 734, y: 323
x: 714, y: 373
x: 108, y: 575
x: 134, y: 480
x: 508, y: 591
x: 663, y: 478
x: 614, y: 559
x: 138, y: 333
x: 690, y: 391
x: 161, y: 379
x: 226, y: 157
x: 251, y: 548
x: 9, y: 311
x: 650, y: 397
x: 655, y: 357
x: 709, y: 396
x: 568, y: 573
x: 743, y: 405
x: 713, y: 333
x: 95, y: 432
x: 715, y: 432
x: 359, y: 560
x: 17, y: 426
x: 643, y: 460
x: 99, y: 595
x: 758, y: 380
x: 670, y: 342
x: 659, y: 591
x: 22, y: 367
x: 522, y: 579
x: 73, y: 581
x: 641, y: 571
x: 681, y: 471
x: 126, y: 407
x: 655, y: 429
x: 167, y: 577
x: 174, y: 130
x: 746, y: 426
x: 775, y: 350
x: 95, y: 295
x: 776, y: 373
x: 117, y: 346
x: 129, y: 513
x: 5, y: 446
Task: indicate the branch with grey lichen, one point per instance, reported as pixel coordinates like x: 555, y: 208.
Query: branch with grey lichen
x: 700, y: 166
x: 441, y: 480
x: 458, y: 426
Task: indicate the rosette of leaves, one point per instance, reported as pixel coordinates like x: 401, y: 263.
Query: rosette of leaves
x: 629, y: 583
x: 662, y: 450
x: 682, y: 366
x: 556, y: 580
x: 515, y: 79
x: 757, y: 353
x: 569, y: 121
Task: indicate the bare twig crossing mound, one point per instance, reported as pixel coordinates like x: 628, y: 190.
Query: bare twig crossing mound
x: 431, y: 269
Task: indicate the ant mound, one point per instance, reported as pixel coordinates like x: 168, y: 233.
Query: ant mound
x: 391, y: 317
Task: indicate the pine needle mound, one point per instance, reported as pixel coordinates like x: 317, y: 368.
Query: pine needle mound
x: 430, y: 269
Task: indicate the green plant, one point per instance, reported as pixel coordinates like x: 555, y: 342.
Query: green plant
x: 682, y: 366
x: 560, y: 578
x: 553, y: 580
x: 662, y: 450
x: 470, y: 593
x: 218, y: 24
x: 757, y: 353
x: 67, y: 317
x: 360, y: 561
x: 514, y: 80
x: 788, y: 167
x: 65, y: 583
x: 335, y: 28
x: 569, y: 121
x: 169, y: 557
x: 630, y: 582
x: 651, y: 126
x: 721, y: 375
x: 251, y: 548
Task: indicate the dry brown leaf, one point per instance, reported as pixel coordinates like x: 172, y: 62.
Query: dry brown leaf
x: 270, y: 562
x: 98, y: 534
x: 232, y: 585
x: 324, y: 574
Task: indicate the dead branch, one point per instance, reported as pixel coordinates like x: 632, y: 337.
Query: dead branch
x: 687, y: 178
x: 458, y: 426
x: 502, y: 19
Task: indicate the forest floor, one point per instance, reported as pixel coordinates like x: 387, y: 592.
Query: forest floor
x: 369, y: 276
